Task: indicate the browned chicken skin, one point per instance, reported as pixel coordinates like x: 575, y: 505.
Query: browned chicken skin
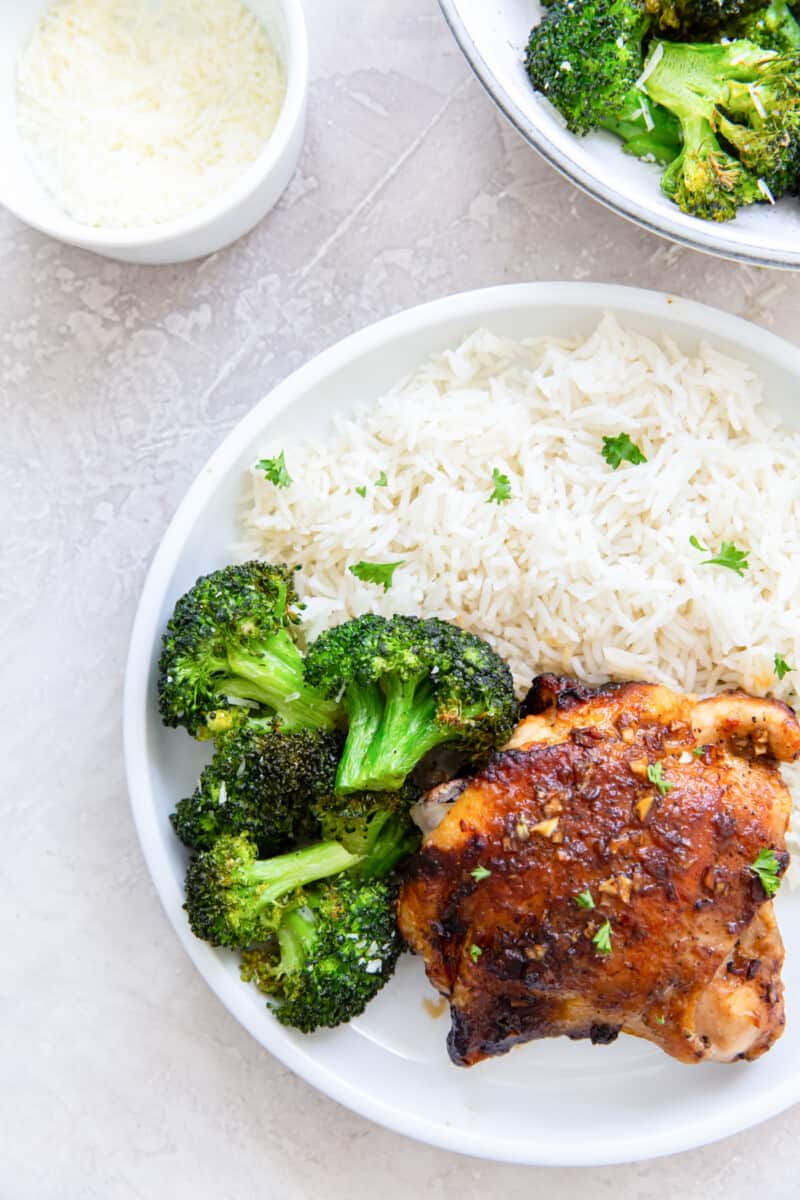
x: 568, y: 808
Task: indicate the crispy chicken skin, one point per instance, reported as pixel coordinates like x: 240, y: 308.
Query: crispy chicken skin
x: 569, y: 808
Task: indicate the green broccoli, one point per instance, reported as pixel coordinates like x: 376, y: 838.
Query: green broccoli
x: 647, y: 130
x: 377, y: 826
x: 228, y: 642
x: 234, y: 899
x: 409, y: 685
x: 739, y: 109
x: 772, y: 28
x: 585, y: 56
x: 262, y: 781
x: 588, y: 58
x: 332, y: 953
x: 697, y: 19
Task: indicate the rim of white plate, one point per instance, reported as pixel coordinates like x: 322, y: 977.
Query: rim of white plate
x: 474, y: 307
x: 710, y: 237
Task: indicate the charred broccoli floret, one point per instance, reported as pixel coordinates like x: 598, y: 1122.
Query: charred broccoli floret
x: 376, y: 826
x: 739, y: 109
x: 262, y: 781
x: 229, y: 643
x: 585, y: 56
x: 331, y: 955
x: 697, y: 19
x: 234, y: 898
x: 772, y: 28
x: 409, y: 685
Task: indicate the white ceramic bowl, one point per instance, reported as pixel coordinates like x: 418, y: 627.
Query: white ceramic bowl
x: 493, y: 38
x: 211, y: 227
x: 556, y: 1102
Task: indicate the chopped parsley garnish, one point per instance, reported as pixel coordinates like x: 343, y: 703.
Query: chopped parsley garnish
x: 729, y: 556
x: 781, y: 666
x: 362, y: 491
x: 502, y: 488
x: 475, y: 952
x: 381, y: 573
x: 275, y: 470
x: 620, y: 449
x: 585, y: 899
x: 768, y: 870
x: 382, y: 481
x: 602, y: 939
x: 660, y: 1020
x: 699, y: 751
x: 480, y: 873
x: 655, y: 773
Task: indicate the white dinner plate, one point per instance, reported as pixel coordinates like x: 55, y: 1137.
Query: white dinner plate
x: 493, y: 35
x: 551, y: 1102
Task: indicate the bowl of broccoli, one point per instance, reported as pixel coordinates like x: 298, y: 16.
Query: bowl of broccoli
x: 682, y: 115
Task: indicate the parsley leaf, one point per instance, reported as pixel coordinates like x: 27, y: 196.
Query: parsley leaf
x: 699, y: 751
x: 602, y: 939
x: 382, y: 481
x: 621, y: 449
x: 660, y: 1020
x: 480, y: 873
x: 475, y: 952
x: 729, y: 556
x: 275, y: 470
x: 585, y: 900
x: 381, y: 573
x: 362, y: 491
x: 768, y: 870
x: 502, y: 488
x: 655, y: 773
x: 781, y: 666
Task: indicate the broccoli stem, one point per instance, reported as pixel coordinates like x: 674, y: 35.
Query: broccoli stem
x: 390, y: 732
x: 647, y: 130
x: 277, y: 876
x: 275, y: 677
x: 408, y: 730
x: 296, y: 934
x: 391, y: 840
x: 365, y: 709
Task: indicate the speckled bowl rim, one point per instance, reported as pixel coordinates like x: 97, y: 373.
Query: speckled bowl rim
x: 470, y: 309
x: 710, y: 238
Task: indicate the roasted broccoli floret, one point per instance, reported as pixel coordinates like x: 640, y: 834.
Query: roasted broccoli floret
x: 228, y: 642
x: 739, y: 110
x: 585, y: 56
x: 697, y: 19
x: 376, y: 826
x: 772, y: 28
x: 262, y: 781
x: 234, y: 898
x: 647, y: 130
x: 331, y: 954
x: 409, y: 685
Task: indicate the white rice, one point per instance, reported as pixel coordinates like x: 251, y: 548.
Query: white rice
x: 586, y: 571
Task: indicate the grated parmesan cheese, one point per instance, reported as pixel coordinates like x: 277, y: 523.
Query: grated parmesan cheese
x: 650, y: 66
x: 136, y: 112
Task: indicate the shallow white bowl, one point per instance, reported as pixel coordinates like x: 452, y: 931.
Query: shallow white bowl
x: 556, y: 1102
x: 493, y: 38
x: 211, y: 227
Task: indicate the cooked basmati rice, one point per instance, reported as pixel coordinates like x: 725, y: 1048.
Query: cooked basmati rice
x: 585, y: 571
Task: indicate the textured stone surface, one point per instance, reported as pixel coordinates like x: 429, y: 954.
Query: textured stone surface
x: 122, y: 1075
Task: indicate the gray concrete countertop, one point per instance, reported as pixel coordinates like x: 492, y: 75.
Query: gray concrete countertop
x: 122, y: 1075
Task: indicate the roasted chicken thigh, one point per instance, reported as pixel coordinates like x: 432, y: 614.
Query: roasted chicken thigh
x: 597, y: 876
